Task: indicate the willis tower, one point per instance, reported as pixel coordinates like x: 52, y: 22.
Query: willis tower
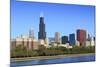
x: 41, y: 33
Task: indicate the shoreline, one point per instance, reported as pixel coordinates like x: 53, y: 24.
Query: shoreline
x: 49, y: 57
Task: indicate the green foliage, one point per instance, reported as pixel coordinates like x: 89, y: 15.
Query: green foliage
x: 41, y: 50
x: 53, y: 52
x: 81, y: 49
x: 21, y: 51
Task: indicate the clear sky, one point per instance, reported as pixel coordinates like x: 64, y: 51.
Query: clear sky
x: 63, y: 18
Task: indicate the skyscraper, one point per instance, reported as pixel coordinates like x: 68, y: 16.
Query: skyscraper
x: 72, y: 39
x: 64, y: 39
x: 31, y: 33
x: 57, y: 37
x: 81, y: 37
x: 41, y: 33
x: 89, y: 37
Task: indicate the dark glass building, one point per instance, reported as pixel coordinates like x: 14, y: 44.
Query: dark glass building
x: 72, y: 39
x: 94, y: 38
x: 81, y: 37
x: 64, y: 39
x: 88, y: 37
x: 41, y: 33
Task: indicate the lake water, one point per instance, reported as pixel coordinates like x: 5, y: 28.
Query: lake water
x: 54, y: 61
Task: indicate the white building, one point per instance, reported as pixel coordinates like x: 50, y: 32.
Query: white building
x: 57, y: 37
x: 41, y: 42
x: 88, y: 43
x: 53, y: 44
x: 77, y: 43
x: 66, y: 45
x: 92, y: 41
x: 46, y: 42
x: 25, y: 41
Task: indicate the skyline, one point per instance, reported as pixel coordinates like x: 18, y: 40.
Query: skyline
x: 25, y: 15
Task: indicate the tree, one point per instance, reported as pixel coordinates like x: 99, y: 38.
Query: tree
x: 41, y: 50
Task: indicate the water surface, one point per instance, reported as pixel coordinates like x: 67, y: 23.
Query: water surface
x: 54, y: 61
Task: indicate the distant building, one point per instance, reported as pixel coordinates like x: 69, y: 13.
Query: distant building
x: 64, y: 39
x: 88, y: 43
x: 35, y: 44
x: 81, y: 37
x: 31, y: 33
x: 27, y: 42
x: 41, y: 42
x: 41, y: 33
x: 92, y: 41
x: 57, y: 37
x: 94, y: 38
x: 88, y: 40
x: 65, y: 45
x: 77, y: 43
x: 51, y: 39
x: 46, y: 42
x: 54, y: 44
x: 89, y: 37
x: 72, y: 39
x: 19, y: 41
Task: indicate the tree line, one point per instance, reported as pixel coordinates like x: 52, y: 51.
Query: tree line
x: 21, y: 51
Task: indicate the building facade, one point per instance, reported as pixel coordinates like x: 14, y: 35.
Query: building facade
x: 29, y: 43
x: 41, y: 33
x: 57, y: 37
x: 64, y: 39
x: 31, y: 33
x: 81, y: 37
x: 51, y: 40
x: 92, y: 41
x: 72, y: 39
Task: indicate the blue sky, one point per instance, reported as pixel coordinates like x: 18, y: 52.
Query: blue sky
x: 63, y: 18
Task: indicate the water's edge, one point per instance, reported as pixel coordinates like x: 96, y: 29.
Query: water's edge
x: 85, y: 58
x: 48, y: 57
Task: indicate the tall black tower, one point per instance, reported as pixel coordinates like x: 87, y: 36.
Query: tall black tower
x: 41, y: 33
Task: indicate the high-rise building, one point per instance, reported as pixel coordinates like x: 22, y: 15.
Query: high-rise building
x: 57, y: 37
x: 94, y: 38
x: 72, y: 39
x: 88, y: 37
x: 88, y: 41
x: 31, y: 33
x: 81, y: 37
x: 64, y: 39
x: 41, y: 33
